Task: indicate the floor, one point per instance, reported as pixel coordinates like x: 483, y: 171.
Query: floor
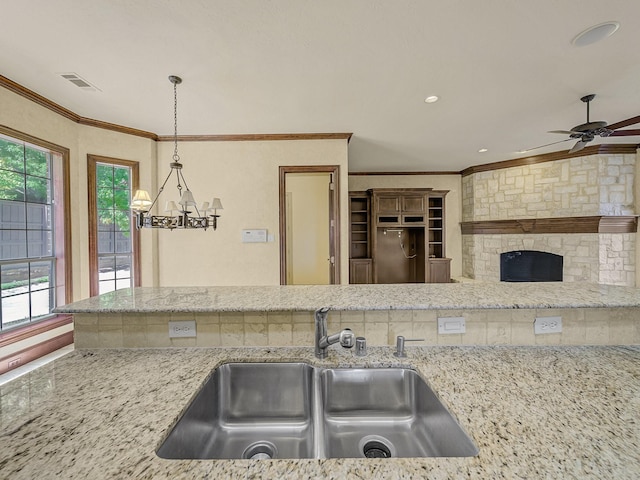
x: 28, y: 367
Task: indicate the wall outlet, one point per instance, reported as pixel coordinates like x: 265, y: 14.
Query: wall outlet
x: 182, y: 329
x: 450, y: 325
x: 13, y: 363
x: 547, y: 325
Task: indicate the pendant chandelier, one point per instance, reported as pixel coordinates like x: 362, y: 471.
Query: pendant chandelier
x: 187, y: 214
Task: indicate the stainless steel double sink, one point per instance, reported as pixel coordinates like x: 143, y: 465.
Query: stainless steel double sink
x: 295, y: 410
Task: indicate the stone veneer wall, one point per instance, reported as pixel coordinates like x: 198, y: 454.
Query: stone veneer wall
x: 588, y: 257
x: 580, y: 326
x: 583, y: 186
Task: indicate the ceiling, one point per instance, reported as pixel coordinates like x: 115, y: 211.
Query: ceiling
x: 506, y: 72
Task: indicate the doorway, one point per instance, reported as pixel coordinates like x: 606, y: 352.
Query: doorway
x: 309, y: 225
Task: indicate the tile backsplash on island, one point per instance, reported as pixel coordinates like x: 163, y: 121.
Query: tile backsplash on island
x: 514, y: 326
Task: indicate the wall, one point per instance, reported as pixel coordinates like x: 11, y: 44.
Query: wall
x: 245, y: 175
x: 582, y: 186
x: 453, y: 202
x: 30, y: 118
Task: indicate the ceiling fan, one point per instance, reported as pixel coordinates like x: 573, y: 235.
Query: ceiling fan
x: 586, y: 132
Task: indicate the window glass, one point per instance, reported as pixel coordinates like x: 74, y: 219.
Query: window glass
x: 27, y: 232
x: 112, y: 227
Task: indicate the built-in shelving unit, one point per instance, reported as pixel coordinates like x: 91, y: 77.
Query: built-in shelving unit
x: 408, y: 236
x: 360, y: 263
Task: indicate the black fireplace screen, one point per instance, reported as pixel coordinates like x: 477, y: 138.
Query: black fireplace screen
x: 530, y: 266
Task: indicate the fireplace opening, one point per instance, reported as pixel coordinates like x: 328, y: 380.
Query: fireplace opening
x: 530, y: 266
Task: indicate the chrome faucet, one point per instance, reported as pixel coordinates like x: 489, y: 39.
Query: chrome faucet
x: 346, y: 337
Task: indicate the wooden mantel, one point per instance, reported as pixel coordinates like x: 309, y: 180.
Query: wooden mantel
x: 591, y: 224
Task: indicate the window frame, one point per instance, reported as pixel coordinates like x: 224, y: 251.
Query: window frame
x: 92, y: 162
x: 61, y: 204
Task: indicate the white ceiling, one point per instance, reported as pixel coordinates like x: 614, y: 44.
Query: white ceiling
x: 505, y: 70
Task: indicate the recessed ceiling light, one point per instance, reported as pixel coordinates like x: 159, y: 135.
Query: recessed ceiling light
x: 595, y: 34
x: 431, y: 99
x: 482, y: 150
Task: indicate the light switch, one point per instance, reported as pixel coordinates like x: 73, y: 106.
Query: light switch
x: 450, y: 325
x: 255, y: 235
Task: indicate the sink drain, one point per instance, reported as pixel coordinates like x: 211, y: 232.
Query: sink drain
x: 260, y: 451
x: 375, y: 449
x: 375, y: 446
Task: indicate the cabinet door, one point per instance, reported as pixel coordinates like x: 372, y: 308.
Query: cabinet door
x: 387, y: 203
x: 439, y: 270
x: 413, y: 203
x: 360, y: 270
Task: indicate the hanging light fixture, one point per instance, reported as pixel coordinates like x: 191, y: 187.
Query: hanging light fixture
x: 180, y: 215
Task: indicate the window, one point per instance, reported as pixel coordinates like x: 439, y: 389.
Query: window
x: 33, y: 229
x: 113, y: 239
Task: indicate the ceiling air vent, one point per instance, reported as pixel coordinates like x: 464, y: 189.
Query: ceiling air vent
x: 78, y: 81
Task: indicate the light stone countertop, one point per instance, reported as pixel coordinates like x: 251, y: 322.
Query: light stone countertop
x: 468, y: 295
x: 533, y: 412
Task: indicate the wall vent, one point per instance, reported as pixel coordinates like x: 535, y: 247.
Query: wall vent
x: 80, y: 82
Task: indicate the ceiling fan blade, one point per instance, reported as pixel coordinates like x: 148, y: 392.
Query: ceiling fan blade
x: 564, y: 132
x: 578, y: 146
x: 625, y: 133
x: 547, y: 145
x: 624, y: 123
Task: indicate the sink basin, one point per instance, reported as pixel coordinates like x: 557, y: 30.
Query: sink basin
x: 387, y: 412
x: 248, y: 410
x: 293, y: 410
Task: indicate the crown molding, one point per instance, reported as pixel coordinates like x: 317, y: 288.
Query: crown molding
x: 244, y: 137
x: 612, y: 148
x: 74, y: 117
x: 66, y: 113
x: 373, y: 174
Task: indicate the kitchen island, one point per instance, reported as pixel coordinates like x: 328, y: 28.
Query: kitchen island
x: 495, y: 313
x: 534, y: 412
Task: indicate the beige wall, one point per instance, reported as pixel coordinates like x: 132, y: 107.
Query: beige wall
x: 453, y: 202
x: 27, y: 117
x: 245, y: 175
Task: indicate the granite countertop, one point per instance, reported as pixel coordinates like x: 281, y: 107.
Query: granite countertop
x: 533, y: 412
x: 469, y: 295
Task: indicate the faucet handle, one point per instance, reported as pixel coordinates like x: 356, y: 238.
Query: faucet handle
x: 347, y: 338
x: 400, y: 353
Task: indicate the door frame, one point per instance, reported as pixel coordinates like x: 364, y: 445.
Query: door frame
x: 334, y: 217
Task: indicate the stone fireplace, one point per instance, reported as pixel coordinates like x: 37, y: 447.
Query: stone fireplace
x: 581, y: 209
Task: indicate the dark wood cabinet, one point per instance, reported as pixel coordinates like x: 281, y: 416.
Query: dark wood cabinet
x: 398, y: 236
x: 360, y: 264
x: 407, y: 236
x: 438, y: 270
x: 360, y: 270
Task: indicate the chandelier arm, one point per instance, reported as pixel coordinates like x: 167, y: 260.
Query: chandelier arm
x: 160, y: 190
x: 181, y: 175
